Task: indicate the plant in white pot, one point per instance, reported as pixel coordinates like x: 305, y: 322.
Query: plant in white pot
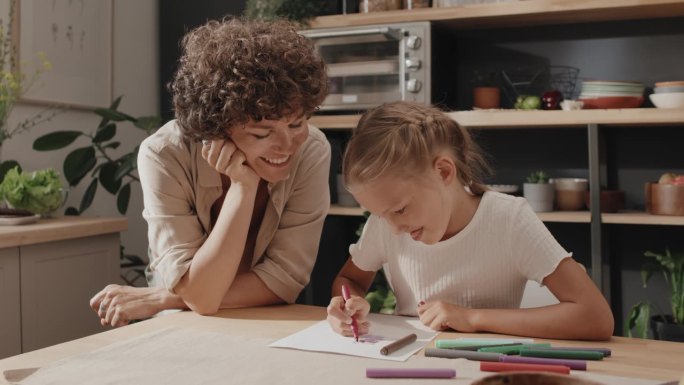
x: 664, y: 327
x: 539, y: 192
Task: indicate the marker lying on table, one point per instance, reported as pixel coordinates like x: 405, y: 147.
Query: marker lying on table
x: 475, y: 348
x: 512, y: 349
x: 456, y: 343
x: 410, y: 373
x: 510, y: 367
x: 572, y: 364
x: 606, y: 352
x: 571, y: 354
x: 354, y: 325
x: 452, y: 353
x: 398, y: 344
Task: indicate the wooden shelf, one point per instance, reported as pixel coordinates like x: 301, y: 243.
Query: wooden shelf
x: 482, y: 119
x: 515, y: 13
x: 345, y: 211
x: 495, y: 119
x: 627, y: 218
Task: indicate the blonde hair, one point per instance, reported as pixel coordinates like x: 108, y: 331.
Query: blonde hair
x: 402, y: 139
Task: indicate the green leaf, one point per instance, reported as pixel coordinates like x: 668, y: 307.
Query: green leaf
x: 8, y: 165
x: 115, y: 103
x: 148, y: 123
x: 55, y: 140
x: 123, y: 198
x: 127, y: 165
x: 71, y: 211
x: 116, y: 116
x: 78, y: 163
x: 88, y: 196
x: 107, y: 179
x: 112, y: 145
x: 105, y: 133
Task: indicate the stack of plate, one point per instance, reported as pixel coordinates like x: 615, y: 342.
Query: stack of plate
x: 610, y: 94
x: 668, y: 94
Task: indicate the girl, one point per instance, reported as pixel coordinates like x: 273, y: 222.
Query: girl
x: 236, y: 188
x: 456, y: 255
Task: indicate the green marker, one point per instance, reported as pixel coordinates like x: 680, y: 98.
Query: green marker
x: 568, y: 354
x: 513, y: 349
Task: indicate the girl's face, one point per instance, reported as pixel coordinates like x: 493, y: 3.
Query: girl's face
x: 420, y: 207
x: 269, y: 145
x: 430, y: 207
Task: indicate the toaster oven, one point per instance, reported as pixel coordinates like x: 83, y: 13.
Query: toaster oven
x: 371, y: 65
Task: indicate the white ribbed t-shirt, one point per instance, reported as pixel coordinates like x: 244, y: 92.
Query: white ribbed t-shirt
x: 485, y: 265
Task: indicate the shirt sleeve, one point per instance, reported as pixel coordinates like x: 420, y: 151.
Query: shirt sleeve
x: 534, y: 248
x: 174, y: 231
x: 290, y: 257
x: 369, y: 253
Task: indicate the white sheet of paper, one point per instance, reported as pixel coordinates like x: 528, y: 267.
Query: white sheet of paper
x: 384, y: 329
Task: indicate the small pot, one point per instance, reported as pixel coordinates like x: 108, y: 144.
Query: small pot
x: 486, y: 97
x: 539, y: 196
x: 664, y: 199
x: 665, y: 329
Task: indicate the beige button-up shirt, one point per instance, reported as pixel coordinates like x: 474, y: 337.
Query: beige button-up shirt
x: 179, y: 188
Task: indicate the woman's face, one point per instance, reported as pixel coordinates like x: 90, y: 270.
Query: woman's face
x: 269, y: 145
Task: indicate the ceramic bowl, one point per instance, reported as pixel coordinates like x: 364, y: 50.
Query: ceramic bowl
x: 610, y: 102
x: 570, y: 184
x: 571, y: 105
x: 668, y: 100
x: 667, y: 90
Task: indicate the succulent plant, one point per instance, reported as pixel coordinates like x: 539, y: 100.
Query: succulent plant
x: 538, y: 177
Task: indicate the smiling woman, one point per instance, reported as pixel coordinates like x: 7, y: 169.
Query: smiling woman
x: 235, y: 189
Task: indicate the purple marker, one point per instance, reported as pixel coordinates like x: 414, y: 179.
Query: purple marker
x: 572, y: 364
x: 410, y: 373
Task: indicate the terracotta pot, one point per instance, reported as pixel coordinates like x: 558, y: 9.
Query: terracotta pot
x: 486, y: 97
x: 664, y: 199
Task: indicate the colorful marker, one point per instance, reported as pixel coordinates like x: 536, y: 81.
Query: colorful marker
x: 410, y: 373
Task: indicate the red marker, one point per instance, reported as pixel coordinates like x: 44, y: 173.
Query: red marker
x: 354, y: 325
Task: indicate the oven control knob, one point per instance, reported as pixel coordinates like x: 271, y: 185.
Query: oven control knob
x: 413, y: 63
x: 413, y: 42
x: 413, y: 85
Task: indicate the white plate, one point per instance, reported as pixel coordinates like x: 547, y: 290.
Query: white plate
x: 503, y: 188
x: 13, y: 220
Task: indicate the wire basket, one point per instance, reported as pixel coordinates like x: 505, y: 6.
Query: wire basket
x: 536, y: 80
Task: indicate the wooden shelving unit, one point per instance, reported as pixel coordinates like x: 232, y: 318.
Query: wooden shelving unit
x: 515, y: 13
x: 498, y: 119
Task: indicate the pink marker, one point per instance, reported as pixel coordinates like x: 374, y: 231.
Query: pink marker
x: 354, y: 325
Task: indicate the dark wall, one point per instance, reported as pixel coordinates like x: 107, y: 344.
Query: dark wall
x: 176, y: 17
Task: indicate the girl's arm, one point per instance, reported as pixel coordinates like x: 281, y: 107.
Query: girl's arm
x: 358, y: 281
x: 340, y: 312
x: 582, y: 314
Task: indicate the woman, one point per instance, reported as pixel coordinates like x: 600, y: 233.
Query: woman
x: 236, y: 188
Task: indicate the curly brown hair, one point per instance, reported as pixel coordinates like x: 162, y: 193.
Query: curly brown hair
x: 237, y: 70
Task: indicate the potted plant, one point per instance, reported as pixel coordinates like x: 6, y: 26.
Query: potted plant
x: 539, y: 192
x: 664, y: 327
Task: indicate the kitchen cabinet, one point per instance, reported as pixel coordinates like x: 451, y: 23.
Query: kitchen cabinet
x: 48, y: 272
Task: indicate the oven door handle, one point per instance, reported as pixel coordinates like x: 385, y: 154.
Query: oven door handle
x: 389, y: 32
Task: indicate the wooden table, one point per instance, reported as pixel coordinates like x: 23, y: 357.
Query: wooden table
x: 631, y: 357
